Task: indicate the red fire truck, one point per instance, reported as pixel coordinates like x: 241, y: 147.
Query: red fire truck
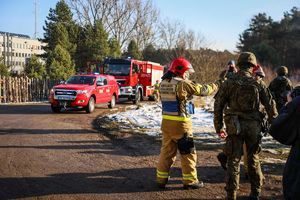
x: 135, y: 77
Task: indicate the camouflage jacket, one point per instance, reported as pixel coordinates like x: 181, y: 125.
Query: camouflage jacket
x: 226, y: 100
x: 279, y: 88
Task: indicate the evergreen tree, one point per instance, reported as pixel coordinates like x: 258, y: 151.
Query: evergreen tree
x: 133, y: 51
x: 60, y: 29
x: 93, y: 45
x: 149, y: 53
x: 34, y: 68
x: 3, y: 69
x: 114, y: 47
x: 60, y: 64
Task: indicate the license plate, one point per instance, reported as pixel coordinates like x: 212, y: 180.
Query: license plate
x: 64, y: 98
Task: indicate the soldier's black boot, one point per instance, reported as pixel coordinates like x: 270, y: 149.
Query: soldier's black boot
x: 231, y: 195
x: 254, y: 196
x: 197, y: 185
x: 222, y: 158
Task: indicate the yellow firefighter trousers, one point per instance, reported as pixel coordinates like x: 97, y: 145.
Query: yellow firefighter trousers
x: 172, y: 131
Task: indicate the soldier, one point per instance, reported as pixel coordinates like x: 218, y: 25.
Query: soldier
x: 280, y: 87
x: 258, y: 74
x: 242, y: 95
x: 230, y: 69
x: 176, y: 92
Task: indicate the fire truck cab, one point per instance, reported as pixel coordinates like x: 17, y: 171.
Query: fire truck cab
x: 135, y: 77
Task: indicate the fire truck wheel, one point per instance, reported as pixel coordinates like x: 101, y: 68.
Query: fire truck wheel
x: 55, y: 109
x: 91, y: 105
x: 112, y: 102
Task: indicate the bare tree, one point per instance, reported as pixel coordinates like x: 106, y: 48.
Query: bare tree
x: 122, y: 19
x: 147, y: 20
x: 88, y: 11
x: 169, y: 33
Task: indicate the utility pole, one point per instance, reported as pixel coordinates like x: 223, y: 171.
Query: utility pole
x: 35, y: 18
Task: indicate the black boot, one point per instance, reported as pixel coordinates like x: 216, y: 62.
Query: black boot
x: 222, y: 158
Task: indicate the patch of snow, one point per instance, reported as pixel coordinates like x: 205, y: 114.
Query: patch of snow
x: 147, y: 119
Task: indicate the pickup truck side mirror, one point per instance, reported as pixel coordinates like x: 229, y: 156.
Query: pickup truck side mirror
x: 99, y: 83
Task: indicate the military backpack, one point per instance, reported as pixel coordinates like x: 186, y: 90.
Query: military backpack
x: 246, y: 94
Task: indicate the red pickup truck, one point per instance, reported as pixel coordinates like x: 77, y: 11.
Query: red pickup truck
x: 84, y: 91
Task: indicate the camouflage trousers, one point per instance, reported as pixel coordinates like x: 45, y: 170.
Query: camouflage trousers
x: 250, y: 135
x: 172, y: 131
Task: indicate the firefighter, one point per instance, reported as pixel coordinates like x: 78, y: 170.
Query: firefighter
x: 243, y: 95
x: 156, y: 90
x: 176, y: 92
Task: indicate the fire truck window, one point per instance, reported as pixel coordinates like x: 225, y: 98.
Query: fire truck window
x: 135, y: 69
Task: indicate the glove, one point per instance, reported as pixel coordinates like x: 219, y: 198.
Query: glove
x: 222, y: 134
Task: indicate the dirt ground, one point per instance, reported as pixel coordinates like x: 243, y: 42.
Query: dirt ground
x: 71, y: 156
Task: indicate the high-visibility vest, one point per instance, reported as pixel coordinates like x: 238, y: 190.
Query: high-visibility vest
x: 171, y: 108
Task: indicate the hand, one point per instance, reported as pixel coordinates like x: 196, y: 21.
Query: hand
x: 289, y: 97
x: 222, y: 134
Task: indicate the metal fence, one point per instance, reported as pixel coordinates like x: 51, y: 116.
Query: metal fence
x: 24, y: 89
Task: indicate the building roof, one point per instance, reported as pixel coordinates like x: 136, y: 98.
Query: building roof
x: 15, y: 34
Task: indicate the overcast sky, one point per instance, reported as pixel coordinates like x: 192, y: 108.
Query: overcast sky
x: 218, y: 21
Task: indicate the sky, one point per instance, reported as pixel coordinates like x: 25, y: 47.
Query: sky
x: 219, y: 21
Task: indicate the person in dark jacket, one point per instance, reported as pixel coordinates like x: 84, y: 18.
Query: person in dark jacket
x: 286, y: 130
x: 280, y: 87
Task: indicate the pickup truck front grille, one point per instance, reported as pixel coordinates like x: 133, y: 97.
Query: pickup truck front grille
x: 66, y: 92
x: 61, y: 94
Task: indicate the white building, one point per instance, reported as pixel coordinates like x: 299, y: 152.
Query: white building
x: 16, y: 49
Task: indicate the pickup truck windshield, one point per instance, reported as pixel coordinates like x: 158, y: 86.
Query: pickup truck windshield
x: 117, y: 69
x: 81, y: 80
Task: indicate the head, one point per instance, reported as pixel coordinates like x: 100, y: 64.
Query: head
x: 157, y: 81
x: 181, y: 67
x: 258, y: 72
x: 246, y: 60
x: 282, y: 71
x: 231, y: 66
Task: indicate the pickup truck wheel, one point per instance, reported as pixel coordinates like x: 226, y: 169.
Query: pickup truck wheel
x: 137, y: 98
x: 112, y: 102
x: 55, y: 109
x: 91, y: 105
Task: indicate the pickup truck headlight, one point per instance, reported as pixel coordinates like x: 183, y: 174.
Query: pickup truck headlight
x: 82, y: 91
x: 52, y: 91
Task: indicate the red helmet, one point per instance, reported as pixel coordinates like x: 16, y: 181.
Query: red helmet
x: 181, y: 65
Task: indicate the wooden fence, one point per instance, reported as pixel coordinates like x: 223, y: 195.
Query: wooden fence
x: 24, y: 89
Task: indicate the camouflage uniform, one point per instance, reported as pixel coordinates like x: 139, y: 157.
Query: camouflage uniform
x: 280, y: 86
x: 243, y: 123
x: 176, y: 94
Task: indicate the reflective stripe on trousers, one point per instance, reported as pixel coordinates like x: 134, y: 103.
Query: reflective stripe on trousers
x: 190, y: 177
